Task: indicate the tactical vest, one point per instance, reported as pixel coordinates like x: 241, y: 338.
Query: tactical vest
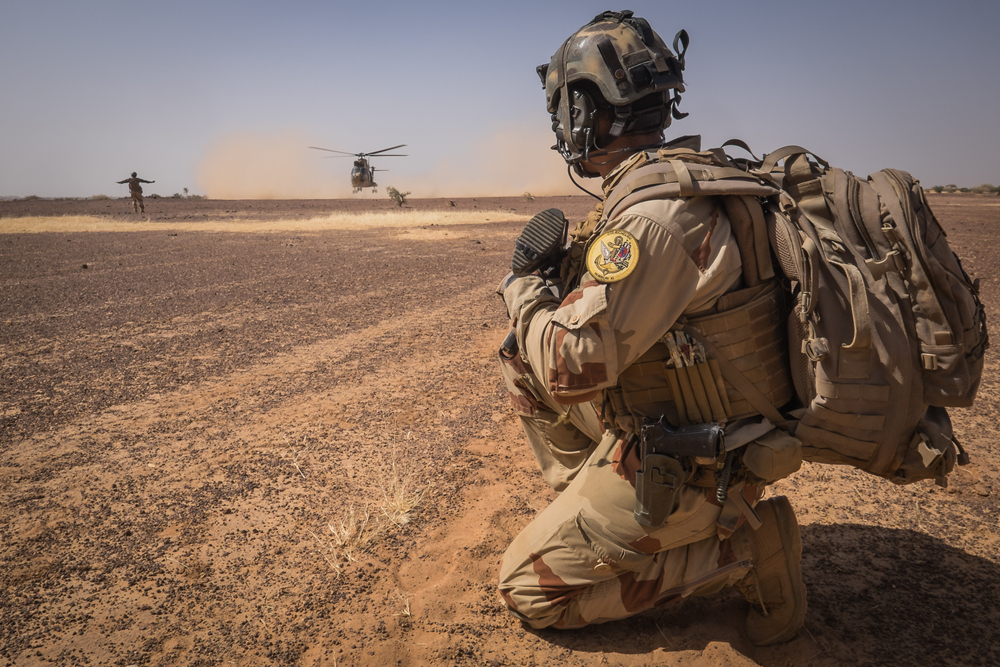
x: 687, y: 375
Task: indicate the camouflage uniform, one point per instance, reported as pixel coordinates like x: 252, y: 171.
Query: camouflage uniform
x: 585, y: 559
x: 136, y: 191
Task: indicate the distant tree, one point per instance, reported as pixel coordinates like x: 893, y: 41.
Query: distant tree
x: 397, y: 196
x: 185, y: 192
x: 938, y: 189
x: 100, y: 197
x: 983, y: 189
x: 964, y: 190
x: 31, y: 198
x: 951, y: 187
x: 177, y: 195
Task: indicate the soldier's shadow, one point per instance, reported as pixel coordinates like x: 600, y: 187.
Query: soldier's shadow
x: 876, y: 596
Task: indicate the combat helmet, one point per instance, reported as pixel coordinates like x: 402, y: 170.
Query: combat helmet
x: 615, y: 63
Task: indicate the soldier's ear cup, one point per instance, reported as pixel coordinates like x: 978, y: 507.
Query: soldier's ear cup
x: 539, y: 243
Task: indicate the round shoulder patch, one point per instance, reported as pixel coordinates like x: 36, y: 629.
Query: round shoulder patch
x: 612, y: 256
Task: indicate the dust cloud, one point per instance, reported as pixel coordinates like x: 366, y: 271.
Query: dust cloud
x: 509, y: 162
x: 266, y: 166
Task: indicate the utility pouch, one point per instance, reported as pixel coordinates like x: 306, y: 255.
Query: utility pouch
x: 669, y: 457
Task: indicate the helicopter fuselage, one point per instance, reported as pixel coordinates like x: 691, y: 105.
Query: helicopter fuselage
x: 362, y: 177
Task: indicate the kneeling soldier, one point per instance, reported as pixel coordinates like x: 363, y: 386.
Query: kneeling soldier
x: 614, y: 368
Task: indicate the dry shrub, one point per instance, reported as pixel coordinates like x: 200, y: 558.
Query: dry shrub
x: 397, y: 196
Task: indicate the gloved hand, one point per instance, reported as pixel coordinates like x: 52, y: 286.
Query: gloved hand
x: 541, y: 245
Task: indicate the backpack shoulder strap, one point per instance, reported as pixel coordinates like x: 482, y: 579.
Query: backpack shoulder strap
x: 680, y: 177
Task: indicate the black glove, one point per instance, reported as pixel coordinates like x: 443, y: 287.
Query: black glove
x: 541, y: 243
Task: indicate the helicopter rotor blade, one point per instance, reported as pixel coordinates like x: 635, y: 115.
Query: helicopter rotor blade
x: 330, y: 150
x: 390, y: 148
x: 391, y: 154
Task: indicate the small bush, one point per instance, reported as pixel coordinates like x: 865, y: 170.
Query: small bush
x: 938, y: 189
x: 397, y: 196
x: 154, y: 196
x: 528, y: 197
x: 31, y: 198
x: 100, y: 197
x: 177, y: 195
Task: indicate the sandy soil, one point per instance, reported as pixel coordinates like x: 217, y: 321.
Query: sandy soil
x: 190, y: 416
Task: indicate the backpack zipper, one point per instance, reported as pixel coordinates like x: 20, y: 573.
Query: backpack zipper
x: 919, y: 250
x: 908, y: 213
x: 854, y: 206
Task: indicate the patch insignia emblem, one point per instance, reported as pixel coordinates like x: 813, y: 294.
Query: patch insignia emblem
x: 612, y: 256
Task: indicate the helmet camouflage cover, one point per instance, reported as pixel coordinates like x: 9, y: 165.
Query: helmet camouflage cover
x: 621, y: 57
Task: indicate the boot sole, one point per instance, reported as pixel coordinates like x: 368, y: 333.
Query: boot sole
x: 540, y: 239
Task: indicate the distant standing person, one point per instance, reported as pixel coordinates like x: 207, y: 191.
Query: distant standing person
x: 136, y: 191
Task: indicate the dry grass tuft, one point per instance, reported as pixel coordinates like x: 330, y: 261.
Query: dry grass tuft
x: 358, y: 530
x: 355, y: 532
x: 350, y: 537
x: 405, y: 600
x: 399, y: 498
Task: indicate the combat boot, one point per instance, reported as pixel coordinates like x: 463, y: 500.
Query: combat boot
x: 774, y: 585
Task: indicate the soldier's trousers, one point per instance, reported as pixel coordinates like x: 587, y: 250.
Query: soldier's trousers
x: 584, y: 559
x: 137, y: 204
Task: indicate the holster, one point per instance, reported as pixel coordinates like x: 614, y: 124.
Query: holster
x: 670, y: 456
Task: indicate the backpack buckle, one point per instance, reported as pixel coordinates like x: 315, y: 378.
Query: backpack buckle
x: 816, y: 349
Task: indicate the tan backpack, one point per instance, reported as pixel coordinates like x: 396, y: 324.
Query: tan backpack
x: 886, y: 329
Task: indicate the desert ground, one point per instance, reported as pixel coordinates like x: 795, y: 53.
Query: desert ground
x: 273, y: 433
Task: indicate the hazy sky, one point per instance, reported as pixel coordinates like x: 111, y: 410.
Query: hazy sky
x: 224, y: 97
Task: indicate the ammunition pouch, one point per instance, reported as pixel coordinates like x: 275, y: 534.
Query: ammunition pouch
x: 670, y: 456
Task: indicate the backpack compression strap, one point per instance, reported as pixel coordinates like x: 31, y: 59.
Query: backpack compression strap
x: 740, y: 382
x: 806, y: 188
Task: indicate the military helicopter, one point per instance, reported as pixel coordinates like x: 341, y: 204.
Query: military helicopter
x: 363, y: 174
